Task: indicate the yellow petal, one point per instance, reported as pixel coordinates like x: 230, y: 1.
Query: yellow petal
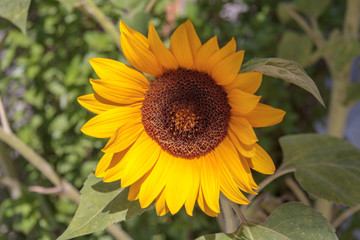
x: 242, y: 102
x: 193, y: 38
x: 96, y: 104
x: 135, y: 189
x: 243, y: 130
x: 228, y: 185
x: 203, y: 205
x: 226, y: 154
x: 114, y: 163
x: 161, y: 207
x: 118, y: 92
x: 137, y: 51
x: 248, y: 82
x: 205, y: 51
x: 190, y: 201
x: 180, y: 47
x: 163, y: 54
x: 142, y: 157
x: 141, y: 39
x: 243, y: 150
x: 177, y: 191
x: 117, y: 171
x: 225, y: 71
x: 103, y: 165
x: 261, y: 161
x: 124, y: 136
x: 265, y: 115
x: 246, y: 166
x: 105, y: 124
x: 113, y: 70
x: 156, y: 180
x: 209, y: 181
x: 215, y: 58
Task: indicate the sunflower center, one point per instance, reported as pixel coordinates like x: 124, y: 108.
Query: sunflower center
x: 186, y: 113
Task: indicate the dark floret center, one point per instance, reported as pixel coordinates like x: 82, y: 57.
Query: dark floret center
x: 186, y: 113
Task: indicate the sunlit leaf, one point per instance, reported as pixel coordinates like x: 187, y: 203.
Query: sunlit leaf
x: 101, y: 205
x: 290, y: 221
x: 300, y: 222
x: 325, y: 166
x: 285, y: 69
x: 15, y: 11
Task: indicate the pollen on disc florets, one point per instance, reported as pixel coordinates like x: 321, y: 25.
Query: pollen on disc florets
x: 186, y: 113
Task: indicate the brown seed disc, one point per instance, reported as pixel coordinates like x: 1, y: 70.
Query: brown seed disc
x: 186, y: 113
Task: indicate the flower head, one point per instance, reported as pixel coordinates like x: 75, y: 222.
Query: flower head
x: 188, y: 134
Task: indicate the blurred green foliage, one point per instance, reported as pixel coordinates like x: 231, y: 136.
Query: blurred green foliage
x: 44, y: 72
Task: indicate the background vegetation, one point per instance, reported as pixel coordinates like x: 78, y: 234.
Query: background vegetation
x: 43, y: 72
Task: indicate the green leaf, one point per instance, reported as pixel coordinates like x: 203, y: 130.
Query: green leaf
x: 15, y: 11
x: 258, y: 232
x: 325, y: 166
x: 300, y: 222
x: 313, y: 7
x: 290, y: 221
x: 285, y: 69
x: 300, y: 53
x: 101, y: 205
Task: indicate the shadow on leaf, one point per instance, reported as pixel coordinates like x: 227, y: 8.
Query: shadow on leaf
x: 106, y: 187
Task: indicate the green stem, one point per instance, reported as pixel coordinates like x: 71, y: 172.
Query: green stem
x: 280, y: 172
x: 6, y: 164
x: 352, y: 23
x: 238, y: 213
x: 312, y: 32
x: 338, y: 114
x: 41, y: 164
x: 345, y: 215
x: 324, y: 207
x: 244, y: 222
x: 338, y: 111
x: 9, y: 172
x: 150, y: 5
x: 103, y: 20
x: 227, y: 220
x: 299, y: 193
x: 44, y: 167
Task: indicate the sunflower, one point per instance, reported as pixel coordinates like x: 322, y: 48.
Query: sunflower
x: 187, y: 134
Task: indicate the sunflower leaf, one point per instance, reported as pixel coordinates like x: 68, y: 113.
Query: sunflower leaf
x: 290, y: 221
x: 15, y: 11
x: 101, y: 205
x: 285, y: 69
x: 325, y: 166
